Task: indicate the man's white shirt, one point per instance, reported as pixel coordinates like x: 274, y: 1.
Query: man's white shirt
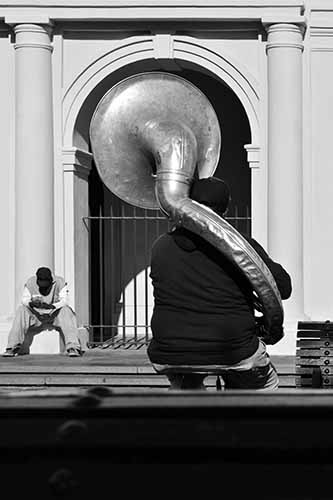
x: 63, y: 297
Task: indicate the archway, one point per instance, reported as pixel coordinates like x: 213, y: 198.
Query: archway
x: 235, y: 100
x: 121, y: 236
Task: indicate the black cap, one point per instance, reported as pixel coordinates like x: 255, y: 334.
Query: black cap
x: 212, y: 192
x: 44, y: 277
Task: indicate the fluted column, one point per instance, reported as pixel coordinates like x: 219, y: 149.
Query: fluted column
x: 34, y: 221
x: 285, y: 215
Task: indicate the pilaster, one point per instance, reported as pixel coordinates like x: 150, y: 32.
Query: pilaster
x: 76, y: 169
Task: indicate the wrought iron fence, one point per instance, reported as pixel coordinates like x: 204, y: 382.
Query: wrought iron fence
x: 121, y: 291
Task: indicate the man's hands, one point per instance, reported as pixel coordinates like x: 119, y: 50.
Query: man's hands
x: 269, y: 337
x: 47, y: 317
x: 39, y: 304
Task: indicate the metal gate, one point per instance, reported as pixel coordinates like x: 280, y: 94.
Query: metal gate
x: 121, y: 290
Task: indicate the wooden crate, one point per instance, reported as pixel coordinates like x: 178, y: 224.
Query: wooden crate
x: 314, y: 354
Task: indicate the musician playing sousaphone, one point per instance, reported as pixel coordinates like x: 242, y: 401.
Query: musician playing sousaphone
x: 204, y: 315
x: 156, y: 143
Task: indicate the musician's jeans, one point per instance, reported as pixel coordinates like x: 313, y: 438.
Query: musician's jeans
x: 256, y: 372
x: 24, y: 319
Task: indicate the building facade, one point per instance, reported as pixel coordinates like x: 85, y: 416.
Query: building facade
x: 267, y: 68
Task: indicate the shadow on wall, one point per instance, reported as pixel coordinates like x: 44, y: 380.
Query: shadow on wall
x: 136, y: 306
x: 121, y: 241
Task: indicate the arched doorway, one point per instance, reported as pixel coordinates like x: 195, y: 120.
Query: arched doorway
x: 121, y: 235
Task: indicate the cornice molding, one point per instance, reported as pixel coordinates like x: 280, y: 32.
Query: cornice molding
x: 322, y: 32
x: 17, y: 11
x: 156, y: 3
x: 321, y: 5
x: 322, y: 49
x: 13, y: 19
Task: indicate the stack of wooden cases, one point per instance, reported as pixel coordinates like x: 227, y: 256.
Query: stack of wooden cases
x: 314, y: 354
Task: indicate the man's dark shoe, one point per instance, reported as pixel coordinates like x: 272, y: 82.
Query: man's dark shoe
x: 73, y: 352
x: 10, y: 352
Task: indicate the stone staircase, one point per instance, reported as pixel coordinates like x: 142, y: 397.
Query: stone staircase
x: 119, y: 369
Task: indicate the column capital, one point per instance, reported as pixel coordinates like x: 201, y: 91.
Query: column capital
x: 29, y: 35
x: 284, y: 35
x: 31, y: 31
x: 299, y: 22
x: 253, y: 155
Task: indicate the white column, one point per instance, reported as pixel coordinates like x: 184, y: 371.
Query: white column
x: 34, y: 231
x: 285, y: 217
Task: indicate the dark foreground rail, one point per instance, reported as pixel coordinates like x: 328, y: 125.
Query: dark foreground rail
x: 265, y: 446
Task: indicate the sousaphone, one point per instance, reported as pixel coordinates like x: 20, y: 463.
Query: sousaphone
x: 151, y: 134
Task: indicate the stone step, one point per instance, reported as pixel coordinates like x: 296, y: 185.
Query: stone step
x: 116, y: 379
x: 106, y: 367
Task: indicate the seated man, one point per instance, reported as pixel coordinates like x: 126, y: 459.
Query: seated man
x: 44, y: 300
x: 204, y: 316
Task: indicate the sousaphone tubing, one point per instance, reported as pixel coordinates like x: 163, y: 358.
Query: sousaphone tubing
x: 151, y: 135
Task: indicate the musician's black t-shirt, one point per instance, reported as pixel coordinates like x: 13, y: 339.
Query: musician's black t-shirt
x: 203, y: 311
